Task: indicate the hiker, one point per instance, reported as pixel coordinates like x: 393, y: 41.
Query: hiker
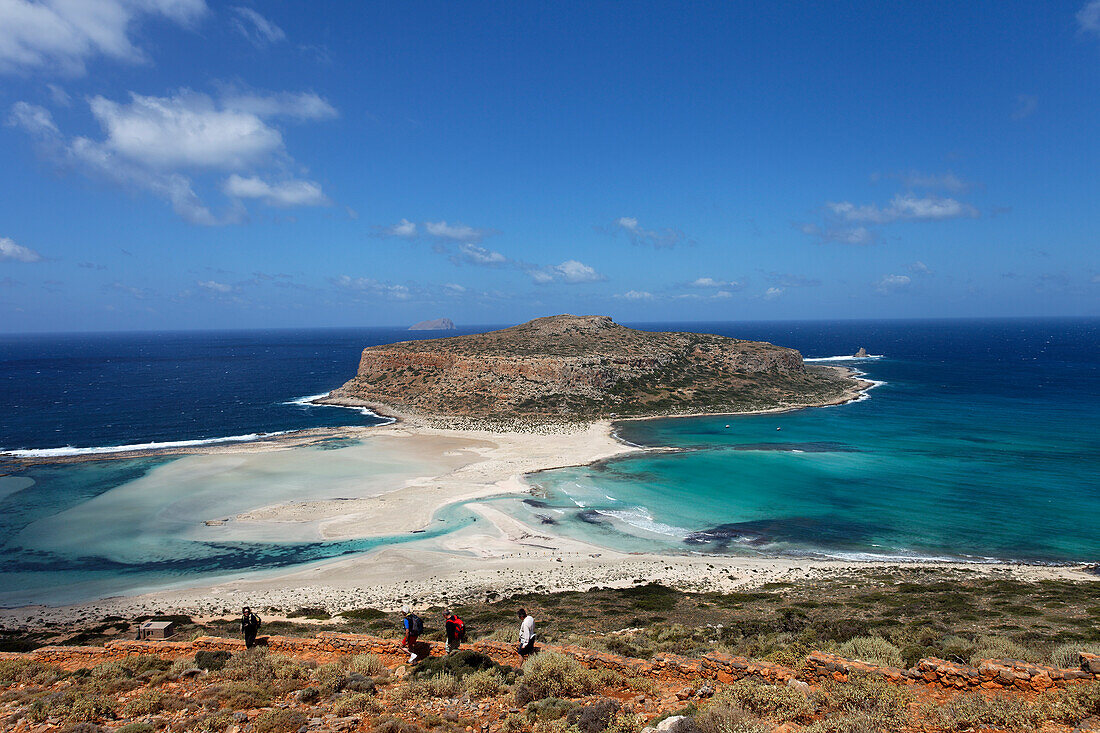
x: 414, y: 627
x: 250, y: 624
x: 526, y: 633
x: 454, y: 629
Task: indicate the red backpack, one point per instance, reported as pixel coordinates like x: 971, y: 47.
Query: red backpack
x: 460, y: 628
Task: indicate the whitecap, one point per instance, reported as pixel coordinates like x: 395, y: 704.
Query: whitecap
x: 104, y: 449
x: 308, y: 401
x: 844, y: 358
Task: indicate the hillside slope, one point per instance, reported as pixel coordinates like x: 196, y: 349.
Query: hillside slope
x: 587, y: 367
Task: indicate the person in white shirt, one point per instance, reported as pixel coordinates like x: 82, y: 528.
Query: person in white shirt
x: 526, y: 633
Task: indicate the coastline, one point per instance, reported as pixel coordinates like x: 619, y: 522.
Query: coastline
x: 497, y: 554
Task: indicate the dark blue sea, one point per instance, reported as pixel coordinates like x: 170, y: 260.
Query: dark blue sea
x: 980, y: 443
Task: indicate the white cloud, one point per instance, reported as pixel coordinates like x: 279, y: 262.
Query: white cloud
x: 59, y: 96
x: 919, y: 268
x: 636, y: 295
x: 892, y: 283
x: 454, y: 288
x: 404, y: 229
x: 773, y: 293
x: 282, y: 194
x: 859, y: 236
x: 652, y: 237
x: 573, y: 271
x: 256, y: 28
x: 10, y: 251
x: 1088, y: 17
x: 34, y: 119
x: 480, y: 255
x: 186, y: 130
x: 455, y: 232
x: 63, y: 35
x: 904, y: 207
x: 710, y: 282
x: 214, y: 286
x: 295, y: 105
x: 374, y: 287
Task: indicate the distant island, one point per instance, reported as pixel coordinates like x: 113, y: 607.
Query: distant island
x: 436, y: 324
x: 577, y: 368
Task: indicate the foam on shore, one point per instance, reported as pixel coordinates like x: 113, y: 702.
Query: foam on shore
x: 849, y: 357
x: 107, y: 449
x: 311, y: 401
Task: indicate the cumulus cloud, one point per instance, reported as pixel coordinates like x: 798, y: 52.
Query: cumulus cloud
x: 159, y: 143
x: 892, y: 283
x: 710, y: 282
x: 784, y: 280
x: 773, y: 293
x: 12, y: 252
x: 919, y: 268
x: 259, y: 31
x: 63, y: 35
x: 455, y: 232
x: 453, y: 289
x: 282, y: 194
x: 404, y: 229
x: 1088, y: 17
x: 636, y: 295
x: 478, y: 255
x: 904, y: 207
x: 301, y: 106
x: 651, y: 237
x: 573, y: 271
x: 215, y: 287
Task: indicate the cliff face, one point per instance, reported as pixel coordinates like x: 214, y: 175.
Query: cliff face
x: 583, y: 367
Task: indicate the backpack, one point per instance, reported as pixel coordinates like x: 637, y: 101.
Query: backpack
x: 416, y: 624
x: 256, y: 620
x: 460, y: 629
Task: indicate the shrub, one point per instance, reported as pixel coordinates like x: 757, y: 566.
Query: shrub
x: 142, y: 663
x: 330, y: 678
x: 623, y: 722
x: 396, y: 725
x: 549, y: 708
x: 257, y: 665
x: 312, y: 613
x: 359, y: 702
x: 974, y: 710
x: 855, y: 723
x: 214, y: 723
x: 212, y: 661
x: 28, y: 672
x: 869, y: 694
x: 772, y: 701
x: 72, y: 706
x: 1075, y: 703
x: 148, y: 702
x: 486, y: 683
x: 1066, y: 656
x: 238, y: 695
x: 136, y: 728
x: 283, y: 720
x: 998, y: 647
x: 459, y: 664
x: 363, y: 614
x: 441, y: 685
x: 554, y: 675
x: 723, y: 716
x: 108, y: 671
x: 367, y: 664
x: 593, y: 717
x: 871, y: 650
x: 84, y: 728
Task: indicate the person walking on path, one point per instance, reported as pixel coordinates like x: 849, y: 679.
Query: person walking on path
x: 526, y: 634
x: 414, y: 627
x: 250, y: 624
x: 454, y: 630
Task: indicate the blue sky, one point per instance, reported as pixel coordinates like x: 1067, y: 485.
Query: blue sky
x: 190, y: 164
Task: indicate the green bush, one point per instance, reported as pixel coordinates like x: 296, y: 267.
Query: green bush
x: 71, y: 706
x: 256, y: 665
x: 367, y: 664
x: 853, y: 723
x: 28, y: 672
x: 211, y: 660
x: 549, y: 708
x: 459, y: 664
x: 866, y: 694
x: 554, y: 675
x: 1067, y: 656
x: 142, y: 663
x: 1075, y: 702
x: 139, y: 727
x: 871, y: 650
x: 363, y: 614
x: 486, y: 683
x: 359, y: 702
x: 440, y: 685
x: 283, y: 720
x: 239, y: 695
x: 998, y: 647
x: 594, y: 717
x: 974, y: 710
x: 149, y: 701
x: 723, y: 716
x: 772, y: 701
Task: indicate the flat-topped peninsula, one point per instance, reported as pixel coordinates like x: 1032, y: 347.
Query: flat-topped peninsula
x: 581, y: 368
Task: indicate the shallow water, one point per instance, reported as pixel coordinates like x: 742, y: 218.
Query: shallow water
x: 980, y: 445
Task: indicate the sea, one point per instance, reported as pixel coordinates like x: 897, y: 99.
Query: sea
x: 978, y: 442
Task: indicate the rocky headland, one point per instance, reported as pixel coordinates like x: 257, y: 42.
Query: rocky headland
x: 435, y: 324
x: 583, y: 368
